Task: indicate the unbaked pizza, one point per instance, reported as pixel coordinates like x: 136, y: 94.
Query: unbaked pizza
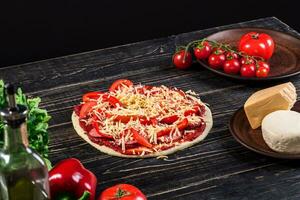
x: 138, y: 121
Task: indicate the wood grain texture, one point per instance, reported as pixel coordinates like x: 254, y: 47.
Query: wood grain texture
x: 217, y: 168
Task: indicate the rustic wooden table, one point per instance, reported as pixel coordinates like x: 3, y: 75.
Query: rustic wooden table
x: 217, y: 168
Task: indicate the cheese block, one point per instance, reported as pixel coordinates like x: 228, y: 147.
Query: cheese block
x: 281, y: 131
x: 263, y: 102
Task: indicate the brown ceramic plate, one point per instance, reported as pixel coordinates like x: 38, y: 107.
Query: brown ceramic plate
x: 252, y: 138
x: 284, y: 63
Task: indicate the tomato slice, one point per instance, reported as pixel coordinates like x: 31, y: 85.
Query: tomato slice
x: 112, y: 100
x: 195, y: 110
x: 169, y: 120
x: 125, y: 118
x: 183, y: 124
x: 99, y: 133
x: 143, y: 89
x: 138, y: 151
x: 164, y: 132
x: 91, y: 95
x: 86, y: 108
x: 140, y: 139
x: 119, y: 83
x: 152, y: 121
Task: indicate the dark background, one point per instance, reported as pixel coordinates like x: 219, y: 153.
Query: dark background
x: 33, y: 31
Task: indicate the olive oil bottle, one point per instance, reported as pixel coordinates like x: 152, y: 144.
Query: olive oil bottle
x: 23, y: 173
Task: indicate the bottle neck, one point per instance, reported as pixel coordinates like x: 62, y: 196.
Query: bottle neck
x: 15, y: 137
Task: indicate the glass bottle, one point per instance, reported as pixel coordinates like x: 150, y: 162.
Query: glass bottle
x: 23, y: 173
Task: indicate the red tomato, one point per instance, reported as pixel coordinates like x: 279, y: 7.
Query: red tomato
x: 91, y: 95
x: 248, y: 70
x: 203, y: 50
x: 125, y: 118
x: 257, y: 44
x: 246, y: 60
x: 219, y: 50
x: 262, y: 72
x: 231, y: 55
x: 122, y: 192
x: 183, y: 124
x: 263, y: 65
x: 86, y: 108
x: 232, y: 66
x: 140, y: 139
x: 169, y: 120
x: 182, y: 59
x: 119, y: 83
x: 112, y: 100
x: 217, y: 59
x: 263, y: 69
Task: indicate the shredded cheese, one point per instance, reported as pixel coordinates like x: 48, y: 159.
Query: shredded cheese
x: 156, y: 102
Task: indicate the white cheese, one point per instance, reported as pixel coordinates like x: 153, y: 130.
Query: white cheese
x: 281, y: 131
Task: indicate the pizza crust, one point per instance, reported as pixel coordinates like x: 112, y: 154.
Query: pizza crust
x: 207, y: 118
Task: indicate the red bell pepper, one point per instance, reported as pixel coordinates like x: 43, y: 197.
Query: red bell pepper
x: 86, y: 108
x: 70, y: 180
x: 170, y: 119
x: 181, y: 126
x: 91, y: 95
x: 140, y: 139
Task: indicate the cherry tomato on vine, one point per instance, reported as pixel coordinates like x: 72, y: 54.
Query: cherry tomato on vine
x: 248, y: 70
x: 262, y: 72
x: 217, y: 59
x: 231, y: 55
x: 263, y: 65
x: 263, y: 69
x: 232, y: 66
x: 220, y: 50
x: 182, y: 59
x: 257, y: 44
x: 203, y: 50
x: 246, y: 60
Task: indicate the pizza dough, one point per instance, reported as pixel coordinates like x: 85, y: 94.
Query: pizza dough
x: 281, y: 131
x: 207, y: 118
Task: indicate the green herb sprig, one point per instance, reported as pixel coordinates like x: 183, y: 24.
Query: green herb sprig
x: 37, y: 122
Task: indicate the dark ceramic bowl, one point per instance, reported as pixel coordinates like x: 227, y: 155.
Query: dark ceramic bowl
x: 284, y: 63
x: 252, y: 138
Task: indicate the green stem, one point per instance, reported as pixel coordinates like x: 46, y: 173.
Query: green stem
x: 85, y: 196
x: 214, y: 44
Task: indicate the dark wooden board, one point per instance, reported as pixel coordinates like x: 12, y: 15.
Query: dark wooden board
x: 218, y: 168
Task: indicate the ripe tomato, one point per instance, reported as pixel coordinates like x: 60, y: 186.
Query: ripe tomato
x: 180, y: 61
x: 263, y: 69
x: 86, y: 108
x: 257, y: 44
x: 119, y: 83
x: 264, y: 65
x: 248, y: 70
x: 219, y: 50
x: 203, y: 50
x: 232, y: 66
x: 262, y: 72
x: 246, y: 60
x: 122, y: 192
x: 140, y: 139
x: 217, y: 59
x: 231, y: 55
x: 91, y: 95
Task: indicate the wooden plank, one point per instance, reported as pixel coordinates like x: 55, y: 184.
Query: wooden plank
x: 218, y: 168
